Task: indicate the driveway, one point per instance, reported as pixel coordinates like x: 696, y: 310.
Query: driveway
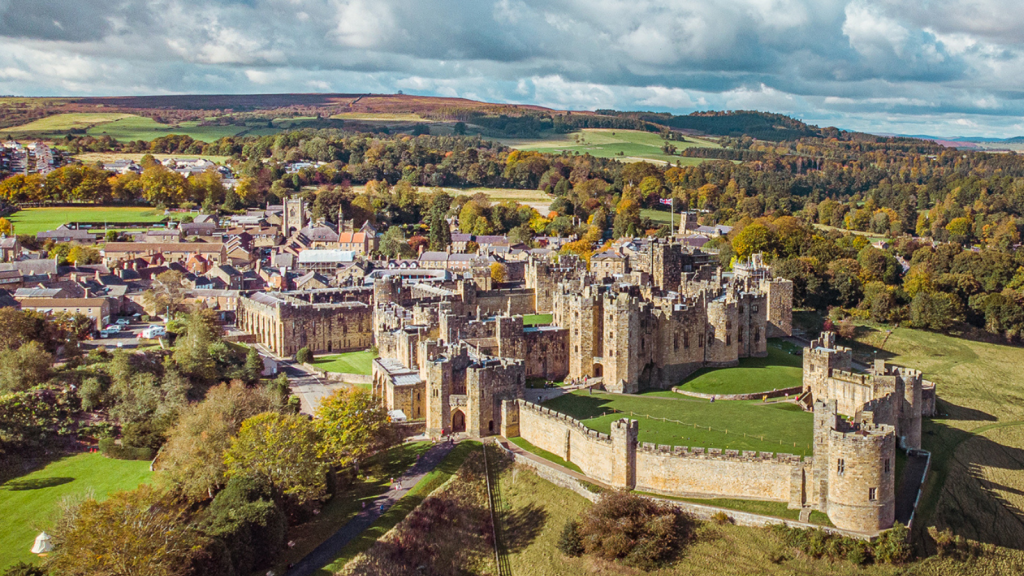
x: 309, y: 387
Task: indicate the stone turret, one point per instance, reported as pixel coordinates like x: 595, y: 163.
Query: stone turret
x: 624, y: 441
x: 861, y: 478
x: 820, y: 359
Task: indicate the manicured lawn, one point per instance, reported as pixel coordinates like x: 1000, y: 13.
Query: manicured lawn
x: 347, y: 363
x: 33, y: 220
x: 430, y: 482
x: 625, y: 145
x: 778, y: 370
x: 544, y: 454
x: 28, y: 503
x: 374, y: 481
x: 537, y: 319
x: 93, y: 157
x: 682, y: 421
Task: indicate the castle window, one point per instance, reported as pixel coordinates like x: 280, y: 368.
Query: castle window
x: 700, y: 341
x: 840, y: 466
x: 739, y: 336
x: 886, y: 465
x: 753, y: 307
x: 871, y: 494
x: 728, y: 339
x: 686, y: 340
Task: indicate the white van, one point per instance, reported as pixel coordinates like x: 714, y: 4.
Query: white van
x: 153, y: 332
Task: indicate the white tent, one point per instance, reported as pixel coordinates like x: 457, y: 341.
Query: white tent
x: 42, y: 545
x: 397, y: 416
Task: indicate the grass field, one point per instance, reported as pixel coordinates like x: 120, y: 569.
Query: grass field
x: 430, y: 482
x: 717, y: 550
x: 544, y: 454
x: 347, y: 363
x: 28, y: 503
x: 65, y: 122
x: 142, y: 128
x: 537, y: 319
x: 608, y: 143
x: 93, y: 157
x: 762, y: 507
x: 535, y: 199
x: 33, y: 220
x: 752, y: 425
x: 778, y: 370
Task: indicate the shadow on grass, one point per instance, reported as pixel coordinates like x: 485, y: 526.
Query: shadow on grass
x: 957, y: 493
x: 35, y: 483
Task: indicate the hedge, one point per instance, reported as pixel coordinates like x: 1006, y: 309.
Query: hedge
x: 111, y: 449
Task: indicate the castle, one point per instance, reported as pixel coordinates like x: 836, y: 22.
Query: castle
x: 457, y: 354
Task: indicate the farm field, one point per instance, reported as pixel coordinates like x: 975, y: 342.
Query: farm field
x: 747, y: 425
x: 780, y: 369
x: 347, y: 363
x: 612, y: 143
x: 717, y: 550
x: 29, y: 502
x: 93, y: 157
x: 142, y: 128
x: 33, y: 220
x: 536, y: 199
x: 64, y: 122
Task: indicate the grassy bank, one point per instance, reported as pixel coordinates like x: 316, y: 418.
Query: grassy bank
x: 780, y: 369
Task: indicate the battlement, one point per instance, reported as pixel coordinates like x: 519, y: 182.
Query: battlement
x: 566, y: 420
x: 719, y: 454
x: 852, y: 378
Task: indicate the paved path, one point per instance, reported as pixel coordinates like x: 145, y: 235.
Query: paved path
x: 326, y: 552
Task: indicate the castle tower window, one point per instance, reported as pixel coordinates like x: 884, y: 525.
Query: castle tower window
x: 886, y: 465
x: 841, y: 467
x: 753, y: 308
x: 872, y: 494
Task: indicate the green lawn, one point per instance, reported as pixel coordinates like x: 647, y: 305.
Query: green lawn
x: 29, y: 502
x: 347, y: 363
x: 537, y: 319
x: 33, y: 220
x: 626, y: 145
x: 780, y: 369
x: 544, y: 454
x: 430, y: 482
x: 762, y: 507
x: 746, y: 425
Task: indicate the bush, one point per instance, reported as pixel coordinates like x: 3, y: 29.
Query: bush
x: 720, y: 518
x: 23, y: 569
x: 304, y: 356
x: 569, y: 542
x: 640, y: 532
x: 891, y: 546
x: 111, y: 449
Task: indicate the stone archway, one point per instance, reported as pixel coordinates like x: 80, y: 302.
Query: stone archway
x: 598, y: 370
x: 458, y: 421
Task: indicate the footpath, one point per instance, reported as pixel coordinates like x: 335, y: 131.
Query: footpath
x: 326, y: 552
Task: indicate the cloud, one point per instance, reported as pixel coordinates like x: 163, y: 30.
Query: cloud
x: 858, y: 64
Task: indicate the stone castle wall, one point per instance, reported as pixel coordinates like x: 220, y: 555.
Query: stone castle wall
x: 861, y: 492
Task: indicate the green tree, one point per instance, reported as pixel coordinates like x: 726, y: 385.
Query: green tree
x: 754, y: 238
x: 393, y: 244
x: 24, y: 367
x: 281, y: 450
x: 192, y: 349
x: 440, y: 234
x: 353, y: 425
x: 253, y: 366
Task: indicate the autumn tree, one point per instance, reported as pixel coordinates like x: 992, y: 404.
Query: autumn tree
x: 282, y: 450
x: 499, y: 272
x: 193, y: 455
x: 24, y: 367
x: 353, y: 426
x: 137, y: 532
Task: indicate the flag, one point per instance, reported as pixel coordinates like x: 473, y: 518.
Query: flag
x: 666, y: 201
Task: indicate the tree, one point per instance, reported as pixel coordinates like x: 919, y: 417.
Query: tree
x: 25, y: 367
x: 137, y: 532
x: 393, y: 244
x: 499, y: 272
x: 304, y: 355
x: 166, y: 294
x: 251, y: 525
x: 5, y: 227
x: 935, y: 311
x: 253, y: 366
x: 193, y: 455
x: 440, y: 234
x: 163, y: 186
x: 192, y: 349
x: 353, y: 425
x: 281, y: 450
x: 82, y: 255
x: 754, y: 238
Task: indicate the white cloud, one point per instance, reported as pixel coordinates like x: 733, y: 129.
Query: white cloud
x: 871, y: 33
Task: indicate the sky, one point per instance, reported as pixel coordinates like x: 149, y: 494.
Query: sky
x: 939, y: 67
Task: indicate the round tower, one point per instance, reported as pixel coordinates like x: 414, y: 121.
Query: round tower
x: 861, y: 477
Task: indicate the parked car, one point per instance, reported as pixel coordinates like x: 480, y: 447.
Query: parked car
x: 123, y: 322
x: 113, y: 328
x: 108, y: 332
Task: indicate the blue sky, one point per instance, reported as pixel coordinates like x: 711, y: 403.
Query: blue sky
x: 940, y: 67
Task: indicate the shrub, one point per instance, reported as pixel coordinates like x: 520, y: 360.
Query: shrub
x: 720, y: 518
x: 23, y: 569
x: 111, y: 449
x: 304, y: 356
x: 891, y: 546
x: 569, y: 542
x: 640, y: 532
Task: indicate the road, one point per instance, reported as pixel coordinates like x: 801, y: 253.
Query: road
x: 306, y: 385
